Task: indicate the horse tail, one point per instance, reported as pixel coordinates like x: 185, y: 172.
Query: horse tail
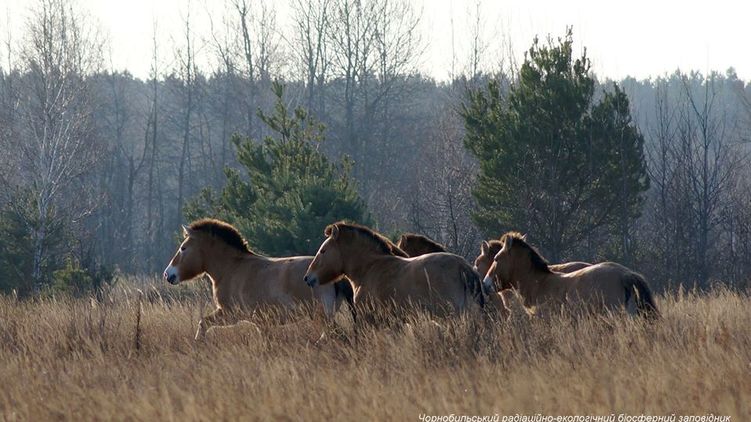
x: 343, y: 291
x: 645, y: 303
x: 473, y: 285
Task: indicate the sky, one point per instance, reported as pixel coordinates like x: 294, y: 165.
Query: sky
x: 639, y: 38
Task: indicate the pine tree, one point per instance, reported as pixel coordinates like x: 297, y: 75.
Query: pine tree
x: 287, y: 191
x: 18, y: 222
x: 553, y: 161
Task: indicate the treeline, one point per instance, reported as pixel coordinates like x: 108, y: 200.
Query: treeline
x: 99, y: 167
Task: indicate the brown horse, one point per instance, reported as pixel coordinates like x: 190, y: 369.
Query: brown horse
x: 601, y: 287
x: 417, y: 244
x: 242, y: 281
x: 440, y: 282
x: 488, y: 250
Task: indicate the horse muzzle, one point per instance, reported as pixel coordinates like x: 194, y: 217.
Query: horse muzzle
x: 488, y: 285
x: 310, y: 280
x: 170, y: 274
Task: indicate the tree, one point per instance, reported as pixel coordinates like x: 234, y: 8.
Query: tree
x: 311, y: 22
x: 55, y: 145
x: 187, y: 70
x: 291, y: 190
x: 19, y: 222
x: 695, y: 163
x: 441, y: 203
x: 552, y: 160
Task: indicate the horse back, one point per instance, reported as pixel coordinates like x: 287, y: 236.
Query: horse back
x: 569, y: 267
x: 449, y: 275
x: 608, y: 281
x: 271, y: 281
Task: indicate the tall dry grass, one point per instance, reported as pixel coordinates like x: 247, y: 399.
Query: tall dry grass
x: 82, y: 360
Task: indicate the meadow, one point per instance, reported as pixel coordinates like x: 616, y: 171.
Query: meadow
x: 131, y: 356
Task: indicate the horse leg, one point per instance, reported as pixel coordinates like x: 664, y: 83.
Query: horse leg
x: 344, y: 292
x: 501, y: 303
x: 218, y: 317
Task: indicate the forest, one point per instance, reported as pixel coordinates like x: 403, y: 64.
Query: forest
x: 238, y: 233
x: 284, y: 134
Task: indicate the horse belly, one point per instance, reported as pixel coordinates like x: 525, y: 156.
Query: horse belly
x: 597, y: 298
x: 273, y: 288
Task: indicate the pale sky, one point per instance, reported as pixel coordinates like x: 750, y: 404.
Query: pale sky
x: 641, y: 38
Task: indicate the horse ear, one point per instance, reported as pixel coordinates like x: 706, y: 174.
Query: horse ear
x: 403, y: 239
x: 524, y: 237
x: 508, y: 242
x: 334, y: 231
x: 187, y: 230
x: 485, y: 247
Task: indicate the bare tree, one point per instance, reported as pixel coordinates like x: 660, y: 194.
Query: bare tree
x: 311, y: 24
x: 259, y: 51
x: 56, y: 147
x: 477, y: 43
x: 187, y: 72
x: 154, y: 218
x: 351, y: 34
x: 693, y: 160
x: 442, y: 203
x: 710, y: 164
x: 374, y: 47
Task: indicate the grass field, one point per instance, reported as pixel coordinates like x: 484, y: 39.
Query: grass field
x: 77, y: 359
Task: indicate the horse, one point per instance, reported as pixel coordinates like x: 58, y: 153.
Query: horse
x: 417, y: 244
x: 488, y: 250
x: 244, y: 282
x: 603, y: 287
x: 439, y: 282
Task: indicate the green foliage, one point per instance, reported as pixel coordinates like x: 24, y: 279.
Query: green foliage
x: 71, y: 279
x: 60, y: 272
x: 553, y: 161
x: 74, y: 280
x: 287, y: 191
x: 18, y: 222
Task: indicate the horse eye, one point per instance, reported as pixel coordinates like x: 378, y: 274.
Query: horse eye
x: 323, y: 251
x: 182, y: 248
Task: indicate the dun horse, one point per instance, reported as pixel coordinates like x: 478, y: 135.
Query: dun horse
x: 597, y: 288
x: 417, y: 244
x: 242, y: 281
x: 440, y: 282
x: 488, y: 250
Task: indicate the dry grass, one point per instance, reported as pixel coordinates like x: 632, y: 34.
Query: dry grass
x: 72, y: 359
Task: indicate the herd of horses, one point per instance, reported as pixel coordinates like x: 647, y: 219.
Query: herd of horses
x: 355, y: 266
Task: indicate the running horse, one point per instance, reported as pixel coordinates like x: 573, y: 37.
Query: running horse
x: 599, y: 288
x: 417, y: 244
x: 242, y: 281
x: 440, y: 282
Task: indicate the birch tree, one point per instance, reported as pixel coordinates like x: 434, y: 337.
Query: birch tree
x: 57, y: 146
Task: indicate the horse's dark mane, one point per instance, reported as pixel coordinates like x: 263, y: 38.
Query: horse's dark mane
x: 495, y: 247
x: 538, y: 261
x: 430, y: 243
x: 224, y: 231
x: 385, y: 245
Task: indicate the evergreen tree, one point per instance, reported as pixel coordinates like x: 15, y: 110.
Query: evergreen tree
x: 288, y: 191
x: 18, y: 222
x: 553, y: 161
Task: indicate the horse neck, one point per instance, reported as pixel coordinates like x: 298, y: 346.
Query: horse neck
x: 222, y: 261
x: 535, y: 285
x: 366, y: 268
